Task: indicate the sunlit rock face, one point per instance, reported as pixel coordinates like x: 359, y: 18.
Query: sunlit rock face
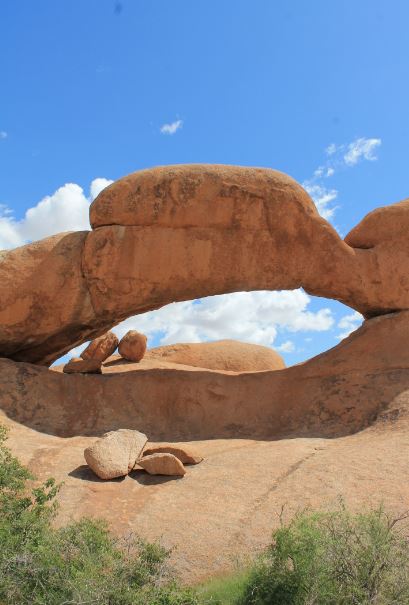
x: 181, y: 232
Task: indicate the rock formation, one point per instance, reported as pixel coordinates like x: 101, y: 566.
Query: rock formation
x: 228, y: 355
x: 180, y: 232
x: 101, y: 348
x: 82, y: 366
x: 133, y: 346
x: 116, y: 453
x: 162, y: 464
x: 302, y: 436
x: 336, y: 393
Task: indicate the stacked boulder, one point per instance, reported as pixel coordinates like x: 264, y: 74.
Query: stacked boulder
x: 101, y: 348
x: 131, y: 347
x: 117, y: 453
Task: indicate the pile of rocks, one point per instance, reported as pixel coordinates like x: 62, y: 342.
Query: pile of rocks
x: 131, y: 347
x: 117, y: 453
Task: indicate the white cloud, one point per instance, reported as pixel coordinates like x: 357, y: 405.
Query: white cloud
x: 256, y: 317
x: 331, y: 149
x: 97, y: 185
x: 65, y: 210
x: 3, y: 134
x: 340, y: 157
x: 286, y: 347
x: 349, y: 323
x: 361, y: 149
x: 171, y: 128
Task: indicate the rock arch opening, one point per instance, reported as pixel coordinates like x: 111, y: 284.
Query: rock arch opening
x: 294, y: 324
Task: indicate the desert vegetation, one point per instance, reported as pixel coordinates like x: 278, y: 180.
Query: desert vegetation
x: 318, y: 558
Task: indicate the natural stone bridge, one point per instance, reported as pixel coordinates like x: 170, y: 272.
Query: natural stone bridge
x: 180, y: 232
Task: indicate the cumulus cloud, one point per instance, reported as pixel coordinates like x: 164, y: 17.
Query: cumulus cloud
x: 97, y: 185
x: 349, y: 323
x: 65, y: 210
x: 257, y: 317
x: 172, y: 127
x: 339, y: 158
x: 3, y: 134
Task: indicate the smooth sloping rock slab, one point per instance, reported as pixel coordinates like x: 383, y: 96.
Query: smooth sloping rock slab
x: 162, y: 464
x: 186, y: 454
x: 115, y: 454
x: 226, y: 509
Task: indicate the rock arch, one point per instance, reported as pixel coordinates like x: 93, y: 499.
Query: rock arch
x: 180, y: 232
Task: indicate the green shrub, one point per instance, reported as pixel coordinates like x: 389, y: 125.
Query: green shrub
x: 78, y: 564
x: 223, y: 590
x: 333, y: 559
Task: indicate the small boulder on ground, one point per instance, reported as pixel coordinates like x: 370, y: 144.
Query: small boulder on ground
x: 116, y: 453
x: 76, y: 365
x: 133, y: 346
x: 101, y: 348
x: 162, y: 464
x: 185, y: 454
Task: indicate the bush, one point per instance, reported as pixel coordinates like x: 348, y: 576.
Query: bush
x: 333, y: 559
x: 78, y: 564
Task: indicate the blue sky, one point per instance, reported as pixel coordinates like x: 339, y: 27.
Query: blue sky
x: 87, y: 86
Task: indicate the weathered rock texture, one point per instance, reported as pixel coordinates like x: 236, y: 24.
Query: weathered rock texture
x: 133, y: 346
x: 101, y: 348
x: 180, y: 232
x: 162, y: 464
x: 229, y: 355
x: 115, y: 454
x: 336, y: 393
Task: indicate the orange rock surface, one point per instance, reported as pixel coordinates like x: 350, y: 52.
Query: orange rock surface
x: 101, y: 348
x: 132, y: 346
x: 335, y: 393
x: 389, y: 224
x: 269, y: 439
x: 336, y: 425
x: 180, y: 232
x: 82, y: 366
x: 229, y: 355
